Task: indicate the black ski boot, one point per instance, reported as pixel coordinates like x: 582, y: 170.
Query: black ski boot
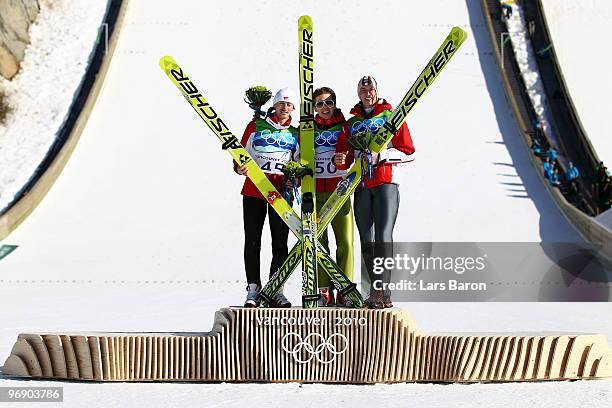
x: 375, y: 300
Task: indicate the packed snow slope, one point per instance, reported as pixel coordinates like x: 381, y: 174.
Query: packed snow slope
x: 578, y: 29
x: 149, y: 194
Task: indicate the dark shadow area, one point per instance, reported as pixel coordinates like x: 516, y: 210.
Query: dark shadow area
x: 517, y: 196
x: 584, y: 273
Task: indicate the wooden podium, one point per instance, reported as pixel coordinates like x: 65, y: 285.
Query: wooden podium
x: 328, y: 345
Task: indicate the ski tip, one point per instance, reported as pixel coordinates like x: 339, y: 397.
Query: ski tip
x: 167, y: 62
x: 458, y: 33
x: 305, y: 20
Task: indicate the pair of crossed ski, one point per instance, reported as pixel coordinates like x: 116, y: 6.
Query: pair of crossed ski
x: 307, y: 230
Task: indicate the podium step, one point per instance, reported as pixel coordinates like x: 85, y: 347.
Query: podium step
x: 315, y: 345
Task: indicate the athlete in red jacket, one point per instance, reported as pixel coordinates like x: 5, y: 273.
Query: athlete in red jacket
x: 377, y: 198
x: 271, y: 142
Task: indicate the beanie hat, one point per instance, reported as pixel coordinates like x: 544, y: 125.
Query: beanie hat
x: 367, y: 80
x: 284, y: 95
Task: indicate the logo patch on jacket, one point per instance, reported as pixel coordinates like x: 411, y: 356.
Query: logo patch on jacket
x: 266, y: 141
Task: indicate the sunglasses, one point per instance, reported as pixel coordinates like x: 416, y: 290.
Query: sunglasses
x: 327, y: 102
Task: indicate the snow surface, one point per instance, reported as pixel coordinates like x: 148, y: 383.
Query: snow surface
x: 143, y: 230
x: 61, y: 40
x: 579, y: 29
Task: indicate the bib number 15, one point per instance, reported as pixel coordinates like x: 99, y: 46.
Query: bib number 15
x: 267, y: 166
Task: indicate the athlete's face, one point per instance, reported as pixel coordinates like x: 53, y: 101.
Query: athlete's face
x: 367, y: 96
x: 283, y: 110
x: 324, y: 106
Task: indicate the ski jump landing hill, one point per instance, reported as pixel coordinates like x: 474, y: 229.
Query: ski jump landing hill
x: 147, y: 195
x: 148, y: 207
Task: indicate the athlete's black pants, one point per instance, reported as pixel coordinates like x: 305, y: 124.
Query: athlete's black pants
x: 254, y: 214
x: 375, y: 215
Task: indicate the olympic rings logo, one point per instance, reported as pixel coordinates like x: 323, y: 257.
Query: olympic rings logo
x: 326, y: 137
x: 281, y: 139
x: 312, y: 349
x: 368, y: 124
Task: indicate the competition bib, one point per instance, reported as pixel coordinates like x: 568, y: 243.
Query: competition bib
x: 358, y: 124
x: 325, y: 148
x: 272, y: 148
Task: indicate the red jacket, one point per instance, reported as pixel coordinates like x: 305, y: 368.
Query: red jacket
x: 328, y: 185
x: 278, y: 180
x: 402, y: 142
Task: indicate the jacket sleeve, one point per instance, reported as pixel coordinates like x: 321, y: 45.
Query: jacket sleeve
x: 401, y: 150
x: 250, y: 129
x: 343, y: 147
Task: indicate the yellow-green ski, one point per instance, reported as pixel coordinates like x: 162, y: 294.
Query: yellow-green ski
x: 310, y: 294
x: 229, y: 142
x: 430, y: 73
